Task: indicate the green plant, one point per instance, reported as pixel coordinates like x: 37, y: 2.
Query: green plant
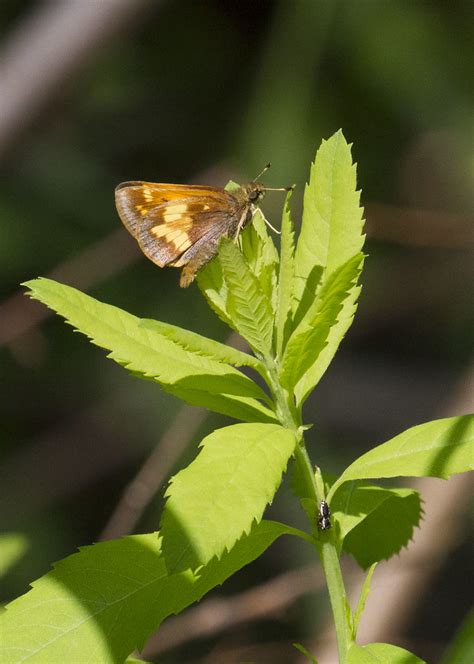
x: 293, y: 309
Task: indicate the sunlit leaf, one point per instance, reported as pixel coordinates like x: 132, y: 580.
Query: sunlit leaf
x: 261, y: 255
x: 310, y: 337
x: 142, y: 350
x: 336, y: 334
x: 435, y: 449
x: 247, y: 304
x: 239, y: 408
x: 212, y: 285
x: 285, y: 279
x: 196, y: 343
x: 364, y: 593
x: 381, y: 653
x: 213, y: 501
x: 331, y: 230
x: 101, y: 604
x: 305, y: 652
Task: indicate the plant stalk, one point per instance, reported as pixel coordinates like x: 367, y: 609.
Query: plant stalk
x: 326, y: 547
x: 314, y: 488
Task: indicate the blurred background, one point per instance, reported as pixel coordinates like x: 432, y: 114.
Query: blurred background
x: 94, y: 92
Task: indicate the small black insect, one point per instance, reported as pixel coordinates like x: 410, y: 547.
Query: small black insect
x: 324, y: 517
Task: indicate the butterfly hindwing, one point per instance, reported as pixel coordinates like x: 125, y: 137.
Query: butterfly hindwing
x: 171, y: 229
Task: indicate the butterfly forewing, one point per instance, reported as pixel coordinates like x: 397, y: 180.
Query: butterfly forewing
x: 181, y: 225
x: 135, y: 200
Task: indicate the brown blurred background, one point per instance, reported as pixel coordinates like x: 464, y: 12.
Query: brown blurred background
x: 93, y: 92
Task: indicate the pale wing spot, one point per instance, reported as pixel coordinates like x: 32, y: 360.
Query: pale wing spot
x: 147, y: 194
x: 177, y: 236
x: 180, y: 208
x: 163, y: 230
x: 170, y: 217
x: 174, y: 212
x: 182, y: 243
x: 159, y: 231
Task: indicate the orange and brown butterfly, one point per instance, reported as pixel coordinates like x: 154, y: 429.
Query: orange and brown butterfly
x: 181, y: 225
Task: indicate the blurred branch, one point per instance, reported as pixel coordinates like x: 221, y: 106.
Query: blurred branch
x: 153, y: 473
x: 417, y: 227
x: 102, y: 259
x: 72, y: 455
x: 49, y: 48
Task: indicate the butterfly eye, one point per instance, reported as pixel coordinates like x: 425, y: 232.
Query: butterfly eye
x: 253, y: 195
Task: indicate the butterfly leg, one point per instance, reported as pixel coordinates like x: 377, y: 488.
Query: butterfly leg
x: 269, y: 224
x: 242, y: 221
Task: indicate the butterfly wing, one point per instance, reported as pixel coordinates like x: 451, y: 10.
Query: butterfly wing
x: 171, y: 230
x: 167, y: 220
x: 136, y: 200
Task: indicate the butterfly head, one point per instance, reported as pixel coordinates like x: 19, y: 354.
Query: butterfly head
x: 255, y: 192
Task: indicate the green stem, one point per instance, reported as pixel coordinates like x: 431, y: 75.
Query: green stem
x: 314, y: 487
x: 326, y: 547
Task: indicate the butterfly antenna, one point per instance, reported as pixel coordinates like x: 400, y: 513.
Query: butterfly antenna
x: 263, y: 171
x: 281, y: 188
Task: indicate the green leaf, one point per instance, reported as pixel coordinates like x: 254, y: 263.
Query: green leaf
x: 285, y: 279
x: 354, y: 502
x: 239, y: 408
x: 101, y: 604
x: 331, y: 230
x: 247, y: 305
x: 261, y: 255
x: 305, y: 652
x: 435, y: 449
x: 364, y: 593
x: 381, y: 653
x: 262, y: 259
x: 212, y: 285
x: 211, y: 281
x: 386, y: 530
x: 232, y: 186
x: 13, y: 547
x: 143, y: 351
x: 196, y: 343
x: 213, y: 501
x: 310, y: 337
x: 336, y: 334
x: 461, y: 649
x: 136, y: 660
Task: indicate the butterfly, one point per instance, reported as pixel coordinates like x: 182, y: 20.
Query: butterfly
x: 181, y: 225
